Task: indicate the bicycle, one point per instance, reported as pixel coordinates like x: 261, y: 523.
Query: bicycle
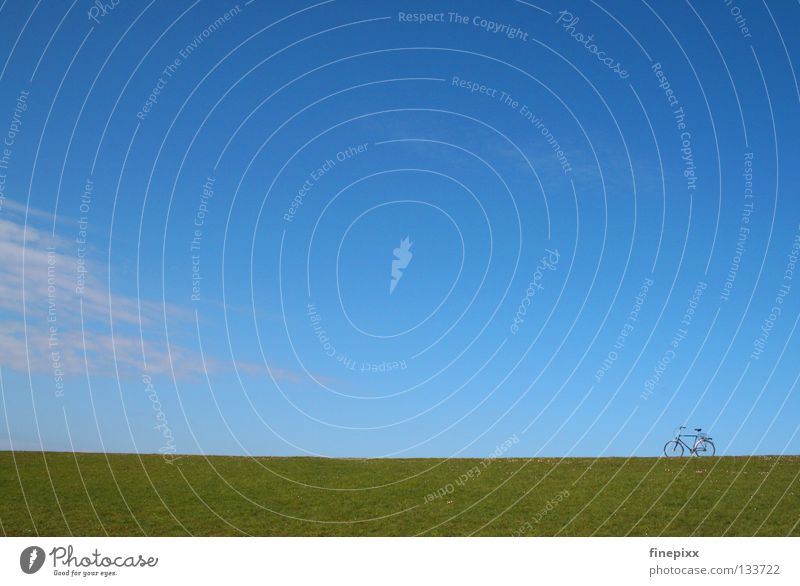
x: 702, y: 445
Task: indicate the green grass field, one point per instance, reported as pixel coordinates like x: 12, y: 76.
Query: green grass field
x: 94, y: 494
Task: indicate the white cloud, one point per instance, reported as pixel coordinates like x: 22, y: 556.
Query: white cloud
x: 38, y: 278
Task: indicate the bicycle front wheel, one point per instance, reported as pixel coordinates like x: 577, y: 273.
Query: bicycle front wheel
x: 706, y: 448
x: 673, y: 449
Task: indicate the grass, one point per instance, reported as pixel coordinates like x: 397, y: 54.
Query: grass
x: 93, y: 494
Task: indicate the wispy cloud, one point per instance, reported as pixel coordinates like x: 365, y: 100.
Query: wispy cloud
x: 48, y: 315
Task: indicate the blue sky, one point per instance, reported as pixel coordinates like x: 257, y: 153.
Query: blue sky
x: 203, y: 199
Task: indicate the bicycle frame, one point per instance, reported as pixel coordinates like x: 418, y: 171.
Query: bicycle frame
x: 698, y: 441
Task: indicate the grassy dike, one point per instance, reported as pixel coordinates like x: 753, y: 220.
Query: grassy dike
x: 122, y: 494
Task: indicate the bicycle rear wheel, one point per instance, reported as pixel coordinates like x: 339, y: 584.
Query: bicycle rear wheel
x: 673, y: 449
x: 706, y: 448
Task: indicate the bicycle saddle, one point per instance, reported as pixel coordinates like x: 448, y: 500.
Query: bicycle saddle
x: 698, y: 429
